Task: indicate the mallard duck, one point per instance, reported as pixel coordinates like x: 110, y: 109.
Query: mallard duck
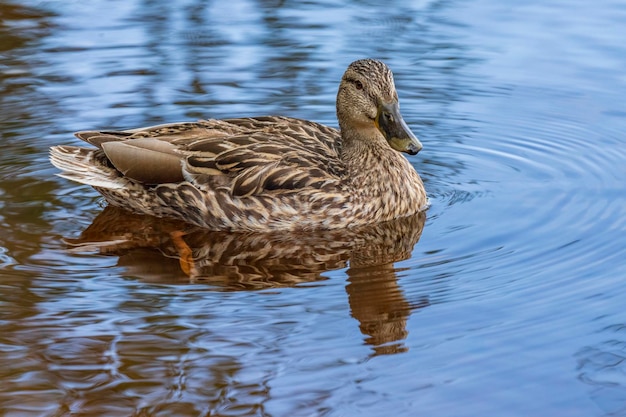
x: 264, y: 173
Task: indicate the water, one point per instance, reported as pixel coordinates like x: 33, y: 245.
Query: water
x: 505, y: 300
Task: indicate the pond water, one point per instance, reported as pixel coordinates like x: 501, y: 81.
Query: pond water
x: 506, y: 299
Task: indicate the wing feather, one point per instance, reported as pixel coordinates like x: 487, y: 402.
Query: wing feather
x: 247, y: 156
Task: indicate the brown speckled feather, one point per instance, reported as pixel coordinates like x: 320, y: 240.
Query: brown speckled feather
x: 260, y: 173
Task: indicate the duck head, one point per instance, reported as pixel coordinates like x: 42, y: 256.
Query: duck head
x: 367, y: 102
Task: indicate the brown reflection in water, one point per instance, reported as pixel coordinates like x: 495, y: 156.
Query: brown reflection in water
x: 167, y: 251
x: 378, y: 303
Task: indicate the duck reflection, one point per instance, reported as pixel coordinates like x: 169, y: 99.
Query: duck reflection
x: 378, y: 303
x: 169, y: 251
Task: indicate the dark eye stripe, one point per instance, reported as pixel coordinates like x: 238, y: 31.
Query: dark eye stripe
x: 358, y: 84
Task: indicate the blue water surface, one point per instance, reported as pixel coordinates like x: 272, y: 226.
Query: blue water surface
x: 507, y: 299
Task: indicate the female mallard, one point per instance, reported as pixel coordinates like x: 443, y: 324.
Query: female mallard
x: 264, y: 173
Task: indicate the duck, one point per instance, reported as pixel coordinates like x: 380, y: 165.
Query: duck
x: 267, y: 173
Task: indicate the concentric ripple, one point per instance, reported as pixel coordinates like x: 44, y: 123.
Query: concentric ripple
x: 529, y: 195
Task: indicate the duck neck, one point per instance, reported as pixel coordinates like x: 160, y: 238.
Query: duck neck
x: 363, y: 154
x: 381, y: 177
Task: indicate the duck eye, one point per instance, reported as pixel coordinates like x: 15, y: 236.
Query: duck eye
x: 358, y: 84
x: 388, y: 117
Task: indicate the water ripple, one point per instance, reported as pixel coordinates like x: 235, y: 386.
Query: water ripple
x: 566, y: 194
x: 514, y: 289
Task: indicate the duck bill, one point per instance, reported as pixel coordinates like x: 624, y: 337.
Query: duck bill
x: 391, y: 124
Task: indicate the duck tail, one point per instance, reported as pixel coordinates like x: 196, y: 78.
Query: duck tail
x: 83, y: 165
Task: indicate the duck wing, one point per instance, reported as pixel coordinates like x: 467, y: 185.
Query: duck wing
x: 248, y: 156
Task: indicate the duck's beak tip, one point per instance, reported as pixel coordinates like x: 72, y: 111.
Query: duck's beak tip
x: 414, y: 148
